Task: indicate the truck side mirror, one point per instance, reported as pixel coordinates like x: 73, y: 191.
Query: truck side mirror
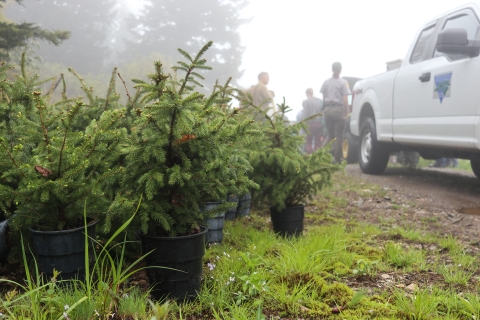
x: 455, y: 41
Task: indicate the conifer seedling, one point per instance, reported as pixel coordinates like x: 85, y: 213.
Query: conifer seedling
x: 182, y: 152
x: 287, y: 177
x: 54, y: 164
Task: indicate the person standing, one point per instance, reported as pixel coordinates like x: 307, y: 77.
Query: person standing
x: 311, y: 106
x: 261, y: 96
x: 335, y: 92
x: 302, y: 132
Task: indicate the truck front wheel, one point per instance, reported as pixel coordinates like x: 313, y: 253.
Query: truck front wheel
x: 372, y: 155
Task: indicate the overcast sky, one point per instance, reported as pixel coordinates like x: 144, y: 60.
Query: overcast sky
x: 296, y: 42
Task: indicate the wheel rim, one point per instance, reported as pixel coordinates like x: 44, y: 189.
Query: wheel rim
x: 366, y: 146
x: 345, y: 149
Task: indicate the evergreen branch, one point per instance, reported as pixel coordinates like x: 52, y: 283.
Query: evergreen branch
x: 184, y: 82
x: 183, y: 64
x: 111, y: 88
x: 71, y: 114
x: 128, y: 94
x: 196, y: 64
x: 171, y: 138
x: 27, y: 199
x: 84, y: 86
x: 89, y: 190
x: 64, y: 91
x: 22, y: 66
x: 203, y: 67
x: 198, y: 75
x: 185, y: 54
x: 7, y: 149
x: 84, y: 164
x: 44, y: 130
x: 76, y: 171
x: 61, y: 151
x: 54, y: 85
x: 195, y: 82
x: 176, y: 68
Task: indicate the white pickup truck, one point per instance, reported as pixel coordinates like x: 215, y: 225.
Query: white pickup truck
x: 431, y: 104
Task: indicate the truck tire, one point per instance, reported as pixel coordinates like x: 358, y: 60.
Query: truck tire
x: 350, y: 148
x: 372, y: 155
x: 475, y: 164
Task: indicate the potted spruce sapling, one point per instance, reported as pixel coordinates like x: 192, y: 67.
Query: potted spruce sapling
x: 180, y: 156
x: 65, y: 168
x: 12, y: 96
x: 16, y: 99
x: 237, y: 184
x: 287, y: 177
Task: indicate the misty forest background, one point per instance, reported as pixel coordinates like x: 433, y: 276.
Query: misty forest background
x: 94, y: 36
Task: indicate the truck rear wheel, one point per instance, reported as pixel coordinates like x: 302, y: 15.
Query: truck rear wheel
x: 372, y: 155
x: 475, y: 164
x: 350, y: 148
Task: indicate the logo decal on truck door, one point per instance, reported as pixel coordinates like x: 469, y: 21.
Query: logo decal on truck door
x: 442, y: 86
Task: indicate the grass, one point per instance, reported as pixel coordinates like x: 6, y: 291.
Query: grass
x: 462, y: 164
x: 341, y: 268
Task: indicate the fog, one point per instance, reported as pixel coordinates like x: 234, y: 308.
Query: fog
x: 295, y: 41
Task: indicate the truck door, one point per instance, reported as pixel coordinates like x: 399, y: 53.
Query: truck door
x: 436, y: 96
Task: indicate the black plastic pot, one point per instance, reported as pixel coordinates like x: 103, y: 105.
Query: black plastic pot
x: 230, y: 214
x: 184, y: 254
x: 288, y: 222
x: 214, y: 224
x: 63, y: 251
x: 243, y: 208
x: 4, y: 248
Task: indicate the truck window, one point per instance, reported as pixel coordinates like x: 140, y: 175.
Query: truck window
x: 422, y: 45
x: 464, y: 21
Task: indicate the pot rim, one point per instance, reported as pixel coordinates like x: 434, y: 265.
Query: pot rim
x: 205, y: 230
x: 299, y: 206
x: 92, y: 223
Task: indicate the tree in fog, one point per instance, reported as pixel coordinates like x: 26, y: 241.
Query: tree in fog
x: 89, y: 22
x: 166, y: 25
x: 13, y: 36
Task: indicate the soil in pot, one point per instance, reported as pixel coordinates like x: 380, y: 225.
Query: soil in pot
x: 63, y: 251
x: 174, y: 267
x: 289, y: 221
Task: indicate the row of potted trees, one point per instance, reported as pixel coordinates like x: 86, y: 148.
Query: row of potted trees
x: 172, y: 147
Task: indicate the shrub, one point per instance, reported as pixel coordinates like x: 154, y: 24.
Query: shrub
x: 55, y: 156
x: 182, y: 152
x: 286, y: 176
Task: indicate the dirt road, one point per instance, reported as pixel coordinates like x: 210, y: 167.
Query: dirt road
x: 445, y: 201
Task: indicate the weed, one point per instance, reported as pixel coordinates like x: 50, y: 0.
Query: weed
x: 365, y: 267
x: 423, y: 304
x: 401, y: 258
x: 450, y: 243
x: 455, y: 275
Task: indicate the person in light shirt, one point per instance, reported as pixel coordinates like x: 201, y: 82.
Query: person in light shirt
x: 335, y: 92
x: 261, y: 96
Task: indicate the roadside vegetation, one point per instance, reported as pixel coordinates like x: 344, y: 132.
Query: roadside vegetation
x: 462, y: 164
x: 342, y: 267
